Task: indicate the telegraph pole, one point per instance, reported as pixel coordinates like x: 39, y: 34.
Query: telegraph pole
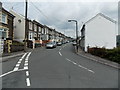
x: 26, y: 32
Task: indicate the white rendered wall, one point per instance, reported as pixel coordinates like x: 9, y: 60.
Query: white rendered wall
x: 100, y: 32
x: 19, y: 30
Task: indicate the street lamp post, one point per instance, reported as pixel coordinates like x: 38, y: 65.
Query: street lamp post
x: 76, y: 32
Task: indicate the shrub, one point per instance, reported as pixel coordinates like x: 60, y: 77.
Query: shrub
x: 110, y: 54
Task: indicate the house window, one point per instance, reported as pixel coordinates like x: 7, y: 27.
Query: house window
x: 3, y: 34
x: 42, y: 30
x: 39, y: 29
x: 35, y: 27
x: 30, y: 25
x: 4, y: 18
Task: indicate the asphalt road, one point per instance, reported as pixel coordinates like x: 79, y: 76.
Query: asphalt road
x: 57, y: 68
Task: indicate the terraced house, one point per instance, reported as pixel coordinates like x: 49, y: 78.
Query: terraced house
x: 6, y: 25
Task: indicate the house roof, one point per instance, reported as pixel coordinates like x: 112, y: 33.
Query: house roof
x: 100, y: 14
x: 10, y: 14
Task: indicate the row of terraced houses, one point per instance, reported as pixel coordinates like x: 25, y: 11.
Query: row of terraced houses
x: 12, y: 26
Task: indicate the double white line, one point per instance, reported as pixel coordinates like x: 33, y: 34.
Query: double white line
x: 26, y: 67
x: 19, y: 62
x: 17, y: 68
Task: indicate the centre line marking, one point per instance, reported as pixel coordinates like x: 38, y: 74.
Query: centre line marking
x: 80, y: 65
x: 60, y: 53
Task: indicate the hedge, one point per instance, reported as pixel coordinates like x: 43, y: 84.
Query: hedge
x: 110, y: 54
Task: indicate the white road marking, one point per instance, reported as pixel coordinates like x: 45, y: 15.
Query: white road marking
x: 23, y: 56
x: 25, y: 67
x: 19, y: 62
x: 60, y: 53
x: 28, y: 81
x: 80, y: 65
x: 26, y: 61
x: 27, y: 73
x: 26, y: 64
x: 74, y: 63
x: 68, y: 59
x: 60, y: 49
x: 17, y: 65
x: 15, y: 69
x: 20, y: 59
x: 11, y: 72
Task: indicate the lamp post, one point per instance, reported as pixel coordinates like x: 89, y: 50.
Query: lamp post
x: 76, y: 32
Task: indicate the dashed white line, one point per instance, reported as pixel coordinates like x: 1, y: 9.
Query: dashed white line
x: 60, y: 53
x: 25, y: 67
x: 27, y: 73
x: 28, y: 81
x: 23, y: 56
x: 15, y: 69
x: 26, y: 61
x: 17, y: 65
x: 26, y: 64
x: 19, y: 62
x: 80, y: 65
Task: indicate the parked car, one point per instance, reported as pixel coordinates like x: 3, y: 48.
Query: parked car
x: 74, y: 43
x: 51, y: 44
x: 59, y: 43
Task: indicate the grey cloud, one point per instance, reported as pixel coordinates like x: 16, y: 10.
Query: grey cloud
x: 59, y: 13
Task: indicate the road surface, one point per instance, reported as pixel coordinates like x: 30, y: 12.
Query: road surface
x: 57, y: 68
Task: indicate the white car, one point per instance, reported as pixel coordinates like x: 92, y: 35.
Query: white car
x: 74, y: 43
x: 51, y: 45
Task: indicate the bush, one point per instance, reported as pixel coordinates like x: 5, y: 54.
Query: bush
x: 97, y: 51
x: 113, y: 55
x: 110, y: 54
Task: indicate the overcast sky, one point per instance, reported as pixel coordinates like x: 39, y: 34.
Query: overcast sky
x: 56, y: 14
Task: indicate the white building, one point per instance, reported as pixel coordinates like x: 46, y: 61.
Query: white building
x: 19, y: 26
x: 100, y: 31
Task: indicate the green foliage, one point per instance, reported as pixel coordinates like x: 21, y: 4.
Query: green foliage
x: 110, y: 54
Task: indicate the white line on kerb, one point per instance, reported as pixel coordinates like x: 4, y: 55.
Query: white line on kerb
x: 28, y: 81
x: 60, y: 53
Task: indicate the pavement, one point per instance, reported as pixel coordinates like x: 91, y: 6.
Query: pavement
x: 98, y: 59
x: 5, y: 56
x: 59, y: 67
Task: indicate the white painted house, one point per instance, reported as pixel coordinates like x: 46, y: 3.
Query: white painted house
x: 19, y: 26
x: 99, y: 31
